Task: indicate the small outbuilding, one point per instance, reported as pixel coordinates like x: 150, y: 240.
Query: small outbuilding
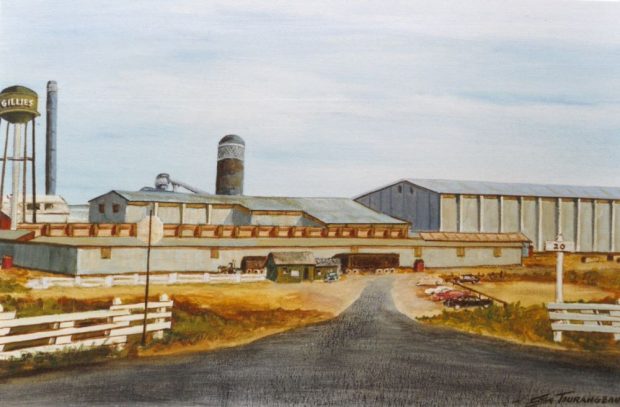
x: 291, y: 267
x: 326, y: 265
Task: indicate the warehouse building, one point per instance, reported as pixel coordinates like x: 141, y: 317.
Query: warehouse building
x: 589, y: 216
x: 103, y: 250
x: 201, y: 209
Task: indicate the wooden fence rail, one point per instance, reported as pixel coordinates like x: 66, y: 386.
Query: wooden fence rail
x: 575, y: 317
x: 137, y: 279
x: 51, y: 333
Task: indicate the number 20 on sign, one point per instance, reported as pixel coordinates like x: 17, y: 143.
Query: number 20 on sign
x: 556, y: 246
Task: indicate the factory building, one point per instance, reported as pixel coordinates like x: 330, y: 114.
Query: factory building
x: 200, y: 209
x: 589, y: 216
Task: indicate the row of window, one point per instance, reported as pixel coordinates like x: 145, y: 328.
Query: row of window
x: 115, y: 208
x: 400, y: 189
x: 497, y: 252
x: 40, y: 207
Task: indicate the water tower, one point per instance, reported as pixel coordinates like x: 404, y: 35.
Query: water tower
x: 230, y: 165
x: 18, y: 107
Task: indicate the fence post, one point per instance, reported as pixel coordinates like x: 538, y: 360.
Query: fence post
x: 108, y: 281
x: 160, y: 333
x: 206, y: 277
x: 136, y: 279
x: 616, y: 336
x: 77, y: 281
x: 45, y: 283
x: 238, y: 277
x: 119, y: 346
x: 3, y: 317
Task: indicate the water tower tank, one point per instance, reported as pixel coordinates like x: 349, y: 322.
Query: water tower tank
x: 230, y: 157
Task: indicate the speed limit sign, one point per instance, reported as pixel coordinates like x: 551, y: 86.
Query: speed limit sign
x: 559, y: 246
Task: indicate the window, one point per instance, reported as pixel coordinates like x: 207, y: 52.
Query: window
x: 294, y: 273
x: 497, y: 252
x: 460, y: 252
x: 116, y: 208
x: 418, y: 252
x: 49, y: 206
x: 411, y: 190
x: 29, y: 206
x: 400, y: 189
x: 101, y: 208
x: 215, y: 253
x: 106, y: 252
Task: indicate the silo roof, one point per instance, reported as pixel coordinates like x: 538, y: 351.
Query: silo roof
x: 443, y: 186
x: 326, y: 210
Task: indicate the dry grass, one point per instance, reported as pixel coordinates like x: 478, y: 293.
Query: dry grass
x: 532, y: 293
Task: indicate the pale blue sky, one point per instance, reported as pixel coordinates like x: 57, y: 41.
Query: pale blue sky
x: 333, y: 98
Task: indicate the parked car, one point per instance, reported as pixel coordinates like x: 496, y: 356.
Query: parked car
x: 331, y: 277
x: 467, y: 278
x: 450, y: 295
x: 430, y: 281
x: 437, y: 290
x: 468, y: 302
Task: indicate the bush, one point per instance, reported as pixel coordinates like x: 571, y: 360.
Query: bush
x: 527, y: 324
x: 11, y: 285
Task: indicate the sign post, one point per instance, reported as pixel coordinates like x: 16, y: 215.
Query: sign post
x: 559, y: 246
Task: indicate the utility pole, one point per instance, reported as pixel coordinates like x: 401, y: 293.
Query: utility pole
x: 148, y: 274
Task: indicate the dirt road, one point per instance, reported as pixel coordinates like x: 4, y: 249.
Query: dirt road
x: 370, y: 355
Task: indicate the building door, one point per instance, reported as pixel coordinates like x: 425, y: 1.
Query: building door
x: 306, y: 273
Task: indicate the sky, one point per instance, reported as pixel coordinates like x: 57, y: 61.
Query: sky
x: 333, y: 98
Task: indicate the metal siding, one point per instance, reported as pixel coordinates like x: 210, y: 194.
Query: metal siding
x: 385, y: 201
x: 585, y: 226
x: 449, y: 215
x: 602, y: 226
x: 169, y: 214
x: 569, y: 218
x: 434, y: 199
x: 511, y: 215
x: 530, y: 219
x: 549, y: 219
x: 490, y: 207
x: 195, y: 216
x: 470, y: 213
x: 617, y: 226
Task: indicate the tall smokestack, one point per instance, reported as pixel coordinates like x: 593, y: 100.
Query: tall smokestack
x: 230, y: 156
x: 50, y: 138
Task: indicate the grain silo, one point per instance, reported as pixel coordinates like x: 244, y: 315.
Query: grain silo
x: 230, y: 157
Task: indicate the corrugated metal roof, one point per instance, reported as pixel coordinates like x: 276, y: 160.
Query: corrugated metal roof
x: 285, y: 258
x: 327, y: 210
x: 473, y: 237
x: 516, y: 189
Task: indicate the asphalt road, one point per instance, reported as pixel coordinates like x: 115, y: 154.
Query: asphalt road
x: 370, y: 355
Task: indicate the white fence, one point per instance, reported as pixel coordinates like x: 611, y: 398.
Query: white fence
x: 137, y: 279
x: 81, y: 329
x: 574, y: 317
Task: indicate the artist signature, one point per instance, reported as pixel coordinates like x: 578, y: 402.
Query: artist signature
x: 567, y: 398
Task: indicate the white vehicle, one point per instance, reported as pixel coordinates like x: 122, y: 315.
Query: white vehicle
x: 430, y: 281
x: 437, y: 290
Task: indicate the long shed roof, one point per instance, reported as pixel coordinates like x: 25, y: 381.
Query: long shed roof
x: 327, y: 210
x: 443, y: 186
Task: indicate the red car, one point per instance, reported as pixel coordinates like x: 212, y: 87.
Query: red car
x: 450, y: 295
